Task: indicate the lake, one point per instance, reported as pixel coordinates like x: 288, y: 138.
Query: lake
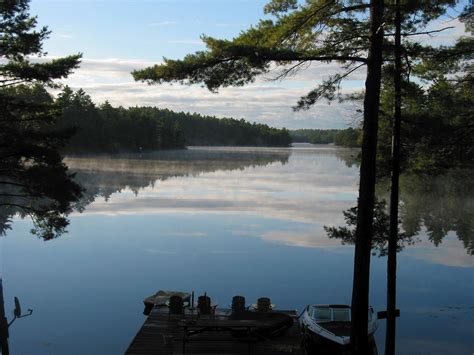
x: 230, y: 221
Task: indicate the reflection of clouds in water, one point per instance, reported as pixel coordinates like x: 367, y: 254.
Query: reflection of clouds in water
x: 450, y: 252
x: 300, y: 190
x: 305, y: 187
x: 313, y: 188
x: 305, y: 235
x: 291, y: 209
x: 315, y: 238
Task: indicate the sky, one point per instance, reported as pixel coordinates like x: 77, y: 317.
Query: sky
x: 118, y: 36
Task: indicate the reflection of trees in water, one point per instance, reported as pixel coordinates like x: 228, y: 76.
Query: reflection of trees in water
x: 102, y: 176
x: 350, y: 157
x: 105, y: 175
x: 439, y: 204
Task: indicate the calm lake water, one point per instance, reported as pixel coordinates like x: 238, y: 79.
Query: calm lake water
x: 234, y: 221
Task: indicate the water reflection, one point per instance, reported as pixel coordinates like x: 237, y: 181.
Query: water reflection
x: 434, y: 210
x: 306, y: 194
x: 438, y: 211
x: 310, y: 192
x: 5, y: 323
x: 441, y: 205
x: 104, y: 175
x: 229, y: 221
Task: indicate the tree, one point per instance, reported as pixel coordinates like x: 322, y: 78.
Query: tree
x: 354, y: 33
x: 105, y: 128
x: 437, y: 110
x: 33, y: 179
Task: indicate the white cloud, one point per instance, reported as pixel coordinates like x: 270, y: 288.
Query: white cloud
x: 264, y: 101
x: 445, y: 37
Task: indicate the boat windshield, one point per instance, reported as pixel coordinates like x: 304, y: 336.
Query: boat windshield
x: 323, y: 314
x: 341, y: 314
x: 328, y: 314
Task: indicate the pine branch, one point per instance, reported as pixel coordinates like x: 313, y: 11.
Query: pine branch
x: 421, y: 33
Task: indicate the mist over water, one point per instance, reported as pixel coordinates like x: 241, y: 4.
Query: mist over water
x: 234, y: 221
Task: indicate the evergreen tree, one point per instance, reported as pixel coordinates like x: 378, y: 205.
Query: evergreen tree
x: 104, y: 128
x: 33, y: 179
x: 354, y: 33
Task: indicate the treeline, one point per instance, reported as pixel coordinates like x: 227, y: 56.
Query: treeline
x: 349, y: 137
x: 213, y: 131
x: 104, y: 128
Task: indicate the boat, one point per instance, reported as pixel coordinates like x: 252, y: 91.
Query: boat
x: 332, y: 323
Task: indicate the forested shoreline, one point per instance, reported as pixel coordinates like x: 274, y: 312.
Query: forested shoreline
x: 349, y: 137
x: 104, y: 128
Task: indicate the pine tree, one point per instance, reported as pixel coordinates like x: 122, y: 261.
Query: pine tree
x: 33, y: 179
x: 354, y: 33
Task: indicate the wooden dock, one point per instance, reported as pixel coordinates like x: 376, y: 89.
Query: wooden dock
x: 191, y: 334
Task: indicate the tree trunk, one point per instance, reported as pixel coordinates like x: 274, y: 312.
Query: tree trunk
x: 394, y: 195
x: 3, y: 324
x: 360, y: 287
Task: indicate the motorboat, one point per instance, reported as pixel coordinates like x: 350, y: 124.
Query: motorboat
x: 332, y: 323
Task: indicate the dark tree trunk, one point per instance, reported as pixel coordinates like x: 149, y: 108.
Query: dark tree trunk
x: 3, y: 324
x: 394, y: 195
x: 360, y: 288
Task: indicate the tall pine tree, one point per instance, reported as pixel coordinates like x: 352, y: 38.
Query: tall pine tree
x: 33, y: 179
x: 353, y: 33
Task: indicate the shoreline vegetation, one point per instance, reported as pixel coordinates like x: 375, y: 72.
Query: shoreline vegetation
x: 107, y: 129
x: 103, y: 128
x: 349, y: 137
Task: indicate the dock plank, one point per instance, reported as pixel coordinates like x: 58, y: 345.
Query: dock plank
x: 164, y: 334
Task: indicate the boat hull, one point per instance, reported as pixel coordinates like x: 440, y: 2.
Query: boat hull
x: 335, y: 333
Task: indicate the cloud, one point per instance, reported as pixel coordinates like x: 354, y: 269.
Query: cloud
x: 445, y: 37
x: 264, y: 101
x: 317, y: 72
